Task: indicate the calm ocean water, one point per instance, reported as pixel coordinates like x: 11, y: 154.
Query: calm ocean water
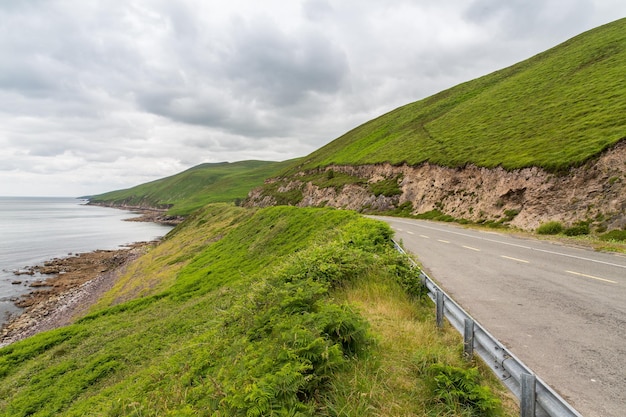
x: 35, y: 229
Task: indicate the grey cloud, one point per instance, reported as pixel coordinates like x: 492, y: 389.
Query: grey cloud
x: 241, y: 80
x: 117, y: 92
x: 27, y: 81
x: 523, y: 19
x: 316, y: 10
x: 282, y: 68
x: 184, y: 105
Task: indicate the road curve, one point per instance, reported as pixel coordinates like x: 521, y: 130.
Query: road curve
x: 560, y: 309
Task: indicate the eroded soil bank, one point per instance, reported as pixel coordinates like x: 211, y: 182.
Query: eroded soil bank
x: 525, y: 198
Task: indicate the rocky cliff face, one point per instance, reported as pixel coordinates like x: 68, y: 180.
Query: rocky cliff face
x: 525, y: 198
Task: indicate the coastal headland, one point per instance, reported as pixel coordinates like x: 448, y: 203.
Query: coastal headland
x: 147, y: 214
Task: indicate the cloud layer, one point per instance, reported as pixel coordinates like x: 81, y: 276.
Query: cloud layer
x: 100, y: 95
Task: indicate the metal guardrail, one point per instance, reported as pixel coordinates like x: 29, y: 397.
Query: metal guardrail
x: 536, y: 398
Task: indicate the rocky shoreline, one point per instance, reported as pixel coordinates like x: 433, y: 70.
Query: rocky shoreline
x: 147, y: 214
x: 156, y: 217
x: 72, y: 285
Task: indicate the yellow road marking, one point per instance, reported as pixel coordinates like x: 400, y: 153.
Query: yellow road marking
x: 591, y: 276
x: 515, y: 259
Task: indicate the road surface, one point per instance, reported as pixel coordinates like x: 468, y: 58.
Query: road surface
x: 560, y: 309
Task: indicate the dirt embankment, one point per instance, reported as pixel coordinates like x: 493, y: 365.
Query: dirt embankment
x: 531, y: 196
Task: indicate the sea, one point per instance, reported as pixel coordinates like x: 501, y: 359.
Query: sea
x: 36, y: 229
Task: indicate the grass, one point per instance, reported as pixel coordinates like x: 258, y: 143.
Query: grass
x: 555, y: 110
x: 550, y: 228
x: 194, y: 188
x: 393, y: 380
x: 387, y: 187
x: 246, y: 312
x: 614, y: 235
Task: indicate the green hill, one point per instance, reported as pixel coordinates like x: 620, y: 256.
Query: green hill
x: 555, y: 110
x: 281, y: 311
x: 191, y: 189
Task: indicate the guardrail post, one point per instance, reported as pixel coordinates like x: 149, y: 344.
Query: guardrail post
x: 468, y: 339
x: 439, y: 303
x: 527, y: 402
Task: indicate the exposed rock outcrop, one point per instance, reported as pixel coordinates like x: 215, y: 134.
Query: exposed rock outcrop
x: 526, y: 197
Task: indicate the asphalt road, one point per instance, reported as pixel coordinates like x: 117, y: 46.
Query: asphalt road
x: 560, y: 309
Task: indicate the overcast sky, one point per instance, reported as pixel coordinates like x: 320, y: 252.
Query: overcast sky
x: 101, y: 95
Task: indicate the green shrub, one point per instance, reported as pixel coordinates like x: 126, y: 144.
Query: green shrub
x: 407, y: 277
x: 510, y: 215
x: 330, y: 265
x: 436, y: 215
x: 577, y: 230
x: 295, y: 337
x: 403, y: 209
x: 618, y: 235
x: 550, y: 228
x: 459, y: 390
x: 493, y: 224
x: 388, y: 188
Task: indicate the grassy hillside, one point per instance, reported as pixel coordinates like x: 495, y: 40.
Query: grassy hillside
x: 197, y: 186
x: 554, y: 110
x: 281, y: 311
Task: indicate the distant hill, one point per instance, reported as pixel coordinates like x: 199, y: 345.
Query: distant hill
x: 542, y: 140
x: 191, y: 189
x: 555, y: 110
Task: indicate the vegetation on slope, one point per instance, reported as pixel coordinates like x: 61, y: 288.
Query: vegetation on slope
x: 191, y: 189
x: 555, y: 110
x: 280, y: 311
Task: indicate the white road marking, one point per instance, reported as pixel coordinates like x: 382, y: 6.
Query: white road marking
x: 442, y: 241
x: 515, y: 259
x: 409, y: 232
x: 511, y: 244
x: 591, y: 276
x: 424, y: 236
x: 471, y: 248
